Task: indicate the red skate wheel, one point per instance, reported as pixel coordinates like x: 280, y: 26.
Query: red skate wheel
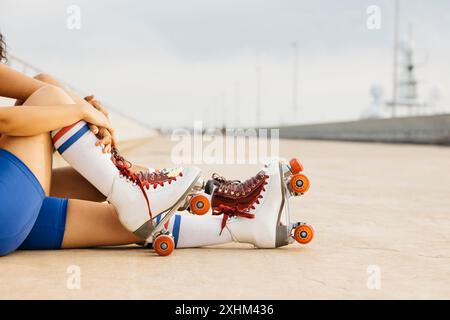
x: 163, y: 245
x: 299, y: 183
x: 296, y: 166
x: 199, y: 205
x: 303, y: 234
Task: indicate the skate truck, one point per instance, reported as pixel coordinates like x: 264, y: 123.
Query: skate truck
x: 294, y: 183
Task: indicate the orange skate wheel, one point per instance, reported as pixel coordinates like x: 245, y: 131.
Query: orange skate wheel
x: 299, y: 183
x: 296, y: 166
x: 199, y: 205
x: 303, y: 233
x: 163, y: 245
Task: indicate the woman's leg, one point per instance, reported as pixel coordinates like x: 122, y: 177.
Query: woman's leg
x: 36, y: 151
x: 26, y: 176
x: 88, y: 223
x: 91, y: 224
x: 68, y: 183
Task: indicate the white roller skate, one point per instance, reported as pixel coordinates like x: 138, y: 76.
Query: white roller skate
x: 198, y: 202
x: 138, y: 200
x: 256, y: 211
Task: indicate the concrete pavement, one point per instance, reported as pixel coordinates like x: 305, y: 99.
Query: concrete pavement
x: 382, y: 220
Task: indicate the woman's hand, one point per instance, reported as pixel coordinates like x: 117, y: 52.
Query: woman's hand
x: 106, y: 139
x: 97, y: 105
x: 105, y: 136
x: 96, y: 118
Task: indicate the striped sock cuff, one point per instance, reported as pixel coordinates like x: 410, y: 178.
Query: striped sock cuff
x: 67, y: 136
x: 176, y: 226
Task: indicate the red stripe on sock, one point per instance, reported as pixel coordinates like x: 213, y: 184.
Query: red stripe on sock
x: 62, y: 132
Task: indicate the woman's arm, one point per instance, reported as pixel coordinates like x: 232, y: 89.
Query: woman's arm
x: 105, y: 137
x: 33, y: 120
x: 16, y: 85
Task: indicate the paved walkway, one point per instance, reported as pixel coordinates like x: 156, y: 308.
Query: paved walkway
x: 382, y: 220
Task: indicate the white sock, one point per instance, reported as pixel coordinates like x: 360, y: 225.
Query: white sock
x: 191, y: 231
x: 76, y: 144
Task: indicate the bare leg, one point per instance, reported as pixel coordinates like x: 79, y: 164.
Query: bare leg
x: 68, y: 183
x: 94, y: 224
x: 90, y: 224
x: 36, y: 151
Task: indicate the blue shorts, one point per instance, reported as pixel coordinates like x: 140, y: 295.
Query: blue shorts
x: 28, y: 219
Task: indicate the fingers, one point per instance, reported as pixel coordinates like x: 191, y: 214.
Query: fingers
x: 103, y: 130
x: 94, y: 129
x: 101, y: 120
x: 109, y: 128
x: 105, y: 139
x: 99, y: 106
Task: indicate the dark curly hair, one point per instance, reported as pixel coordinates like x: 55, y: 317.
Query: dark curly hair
x: 2, y: 49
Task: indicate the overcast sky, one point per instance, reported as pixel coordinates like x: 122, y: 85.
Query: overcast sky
x: 171, y: 62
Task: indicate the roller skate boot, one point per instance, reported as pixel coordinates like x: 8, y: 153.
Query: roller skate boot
x: 256, y: 211
x: 139, y: 198
x: 198, y: 202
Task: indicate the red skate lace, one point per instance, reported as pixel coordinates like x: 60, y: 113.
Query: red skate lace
x: 237, y: 198
x: 143, y: 179
x: 155, y: 179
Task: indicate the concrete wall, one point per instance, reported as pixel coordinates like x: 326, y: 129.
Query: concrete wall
x: 423, y: 130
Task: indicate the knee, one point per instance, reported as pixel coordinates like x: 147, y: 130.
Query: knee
x: 45, y: 77
x: 49, y: 91
x: 49, y: 95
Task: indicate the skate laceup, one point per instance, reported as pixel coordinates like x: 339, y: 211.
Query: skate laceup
x: 234, y: 198
x: 144, y: 180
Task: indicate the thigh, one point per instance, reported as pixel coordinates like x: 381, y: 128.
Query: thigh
x: 37, y: 151
x: 21, y: 197
x: 48, y: 229
x: 68, y: 183
x: 74, y: 223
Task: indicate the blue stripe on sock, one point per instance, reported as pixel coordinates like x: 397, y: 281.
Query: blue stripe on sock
x: 158, y: 219
x: 176, y: 228
x: 66, y: 145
